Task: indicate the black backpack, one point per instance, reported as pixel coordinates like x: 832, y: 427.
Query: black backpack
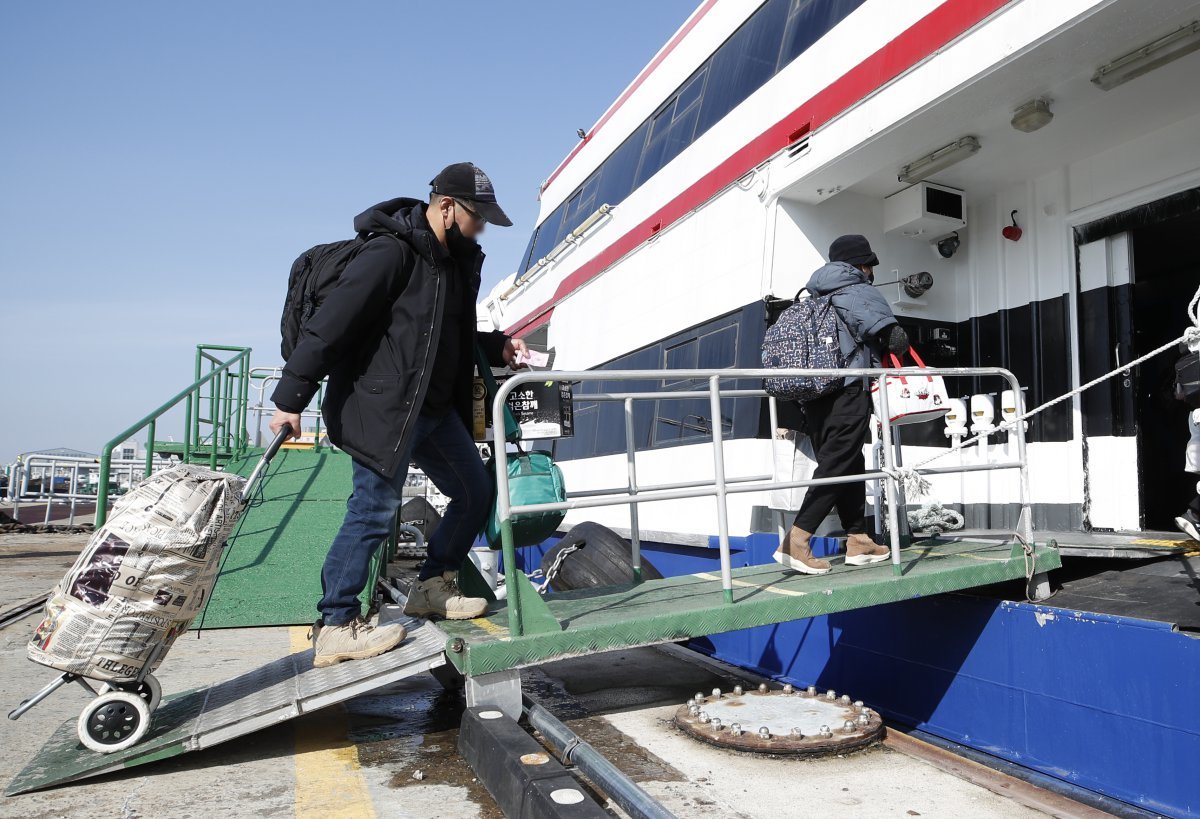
x: 313, y: 275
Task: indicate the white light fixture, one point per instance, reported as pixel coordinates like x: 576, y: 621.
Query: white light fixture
x: 939, y: 160
x: 1183, y: 40
x: 1032, y: 115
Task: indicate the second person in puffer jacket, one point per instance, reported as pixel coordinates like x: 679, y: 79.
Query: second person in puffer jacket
x: 838, y: 423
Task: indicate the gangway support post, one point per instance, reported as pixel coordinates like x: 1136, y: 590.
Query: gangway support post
x: 635, y: 539
x: 714, y: 403
x: 890, y: 487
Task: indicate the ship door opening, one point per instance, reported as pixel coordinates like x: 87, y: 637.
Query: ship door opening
x: 1137, y: 271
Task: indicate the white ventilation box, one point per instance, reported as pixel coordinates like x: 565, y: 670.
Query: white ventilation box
x: 924, y: 211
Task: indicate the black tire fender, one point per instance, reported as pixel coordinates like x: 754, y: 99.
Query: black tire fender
x: 604, y: 558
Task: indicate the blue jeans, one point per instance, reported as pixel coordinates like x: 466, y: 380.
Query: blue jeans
x: 443, y: 449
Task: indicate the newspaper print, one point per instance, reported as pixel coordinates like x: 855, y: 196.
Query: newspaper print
x: 142, y: 578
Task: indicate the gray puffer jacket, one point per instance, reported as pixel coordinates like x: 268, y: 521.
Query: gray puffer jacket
x: 863, y: 310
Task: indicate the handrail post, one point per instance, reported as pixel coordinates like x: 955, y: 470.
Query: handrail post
x: 891, y: 490
x: 516, y: 623
x: 635, y: 538
x: 1025, y: 524
x: 102, y: 489
x: 150, y: 448
x: 199, y: 400
x: 718, y: 439
x: 213, y: 416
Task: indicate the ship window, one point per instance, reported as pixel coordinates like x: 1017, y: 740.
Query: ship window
x: 616, y: 179
x: 673, y: 127
x: 771, y: 38
x: 547, y: 235
x: 744, y: 62
x: 580, y: 206
x: 718, y: 350
x: 809, y: 21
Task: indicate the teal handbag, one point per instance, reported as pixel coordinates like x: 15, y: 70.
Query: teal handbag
x: 533, y: 477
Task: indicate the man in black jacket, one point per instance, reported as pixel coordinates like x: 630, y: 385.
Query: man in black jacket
x: 396, y: 337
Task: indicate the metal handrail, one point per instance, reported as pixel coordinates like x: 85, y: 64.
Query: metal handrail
x: 226, y: 413
x: 263, y: 377
x: 633, y: 496
x: 28, y: 466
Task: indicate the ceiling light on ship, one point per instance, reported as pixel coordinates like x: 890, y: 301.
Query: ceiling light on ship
x: 1032, y: 115
x: 939, y: 160
x: 1182, y: 41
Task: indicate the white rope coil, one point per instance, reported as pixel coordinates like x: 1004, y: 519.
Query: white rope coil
x: 935, y: 519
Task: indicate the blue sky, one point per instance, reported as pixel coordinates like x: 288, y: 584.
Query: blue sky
x: 162, y: 164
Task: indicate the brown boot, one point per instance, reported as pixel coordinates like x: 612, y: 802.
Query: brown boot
x: 861, y: 550
x: 795, y: 553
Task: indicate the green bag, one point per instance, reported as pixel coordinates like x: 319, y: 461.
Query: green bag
x: 533, y: 477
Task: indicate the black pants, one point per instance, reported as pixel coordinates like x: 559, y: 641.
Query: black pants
x: 837, y: 425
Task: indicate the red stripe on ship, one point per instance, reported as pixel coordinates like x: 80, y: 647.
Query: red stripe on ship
x: 925, y: 37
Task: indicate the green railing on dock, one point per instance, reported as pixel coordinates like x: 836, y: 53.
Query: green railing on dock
x: 223, y: 390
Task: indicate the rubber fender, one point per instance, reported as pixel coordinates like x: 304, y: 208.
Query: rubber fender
x: 420, y: 513
x: 603, y: 559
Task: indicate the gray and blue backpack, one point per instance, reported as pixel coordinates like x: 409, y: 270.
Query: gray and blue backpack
x: 805, y: 337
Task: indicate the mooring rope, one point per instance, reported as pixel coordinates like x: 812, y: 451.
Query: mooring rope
x: 917, y: 486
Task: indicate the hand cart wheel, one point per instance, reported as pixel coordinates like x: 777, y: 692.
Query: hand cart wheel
x: 113, y: 722
x: 149, y: 689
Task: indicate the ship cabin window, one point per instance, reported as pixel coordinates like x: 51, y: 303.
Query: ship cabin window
x: 745, y: 62
x: 777, y: 33
x: 673, y: 127
x: 724, y: 342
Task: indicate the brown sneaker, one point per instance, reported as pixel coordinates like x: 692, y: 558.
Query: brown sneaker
x: 440, y: 597
x: 795, y: 553
x: 861, y: 550
x: 356, y: 640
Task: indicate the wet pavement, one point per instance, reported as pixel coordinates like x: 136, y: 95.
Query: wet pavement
x: 393, y: 753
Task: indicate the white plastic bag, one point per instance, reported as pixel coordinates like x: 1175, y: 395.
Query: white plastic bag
x: 794, y: 460
x: 1192, y: 460
x: 912, y: 399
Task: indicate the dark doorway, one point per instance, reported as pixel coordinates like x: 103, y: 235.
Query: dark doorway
x: 1166, y: 274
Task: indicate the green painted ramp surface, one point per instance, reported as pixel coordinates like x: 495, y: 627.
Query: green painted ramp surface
x: 678, y: 608
x: 272, y: 569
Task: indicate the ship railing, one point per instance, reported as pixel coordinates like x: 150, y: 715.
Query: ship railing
x: 634, y: 494
x: 34, y: 479
x: 262, y: 382
x: 214, y: 407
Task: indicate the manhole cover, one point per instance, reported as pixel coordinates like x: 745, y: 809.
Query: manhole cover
x: 786, y: 721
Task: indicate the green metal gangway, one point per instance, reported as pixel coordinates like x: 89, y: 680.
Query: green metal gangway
x: 273, y: 574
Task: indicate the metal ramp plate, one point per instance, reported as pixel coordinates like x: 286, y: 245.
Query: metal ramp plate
x: 277, y: 692
x: 679, y: 608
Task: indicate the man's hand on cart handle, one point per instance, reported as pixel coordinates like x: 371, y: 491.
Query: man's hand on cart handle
x: 280, y: 418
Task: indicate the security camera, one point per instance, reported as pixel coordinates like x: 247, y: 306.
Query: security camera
x: 948, y: 246
x: 917, y: 284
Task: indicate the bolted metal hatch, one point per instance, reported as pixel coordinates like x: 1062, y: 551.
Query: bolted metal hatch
x: 785, y: 721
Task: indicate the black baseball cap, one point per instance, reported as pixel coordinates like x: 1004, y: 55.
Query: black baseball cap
x: 466, y: 181
x: 853, y: 248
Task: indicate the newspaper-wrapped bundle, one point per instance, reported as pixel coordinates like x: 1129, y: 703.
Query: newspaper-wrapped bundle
x: 143, y: 577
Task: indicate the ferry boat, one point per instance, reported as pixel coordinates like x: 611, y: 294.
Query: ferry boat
x: 1039, y: 159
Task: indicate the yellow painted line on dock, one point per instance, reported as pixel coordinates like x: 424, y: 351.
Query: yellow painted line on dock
x: 747, y: 584
x: 1147, y: 541
x: 329, y: 780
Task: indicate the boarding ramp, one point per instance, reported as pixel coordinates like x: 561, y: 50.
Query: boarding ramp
x: 528, y: 629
